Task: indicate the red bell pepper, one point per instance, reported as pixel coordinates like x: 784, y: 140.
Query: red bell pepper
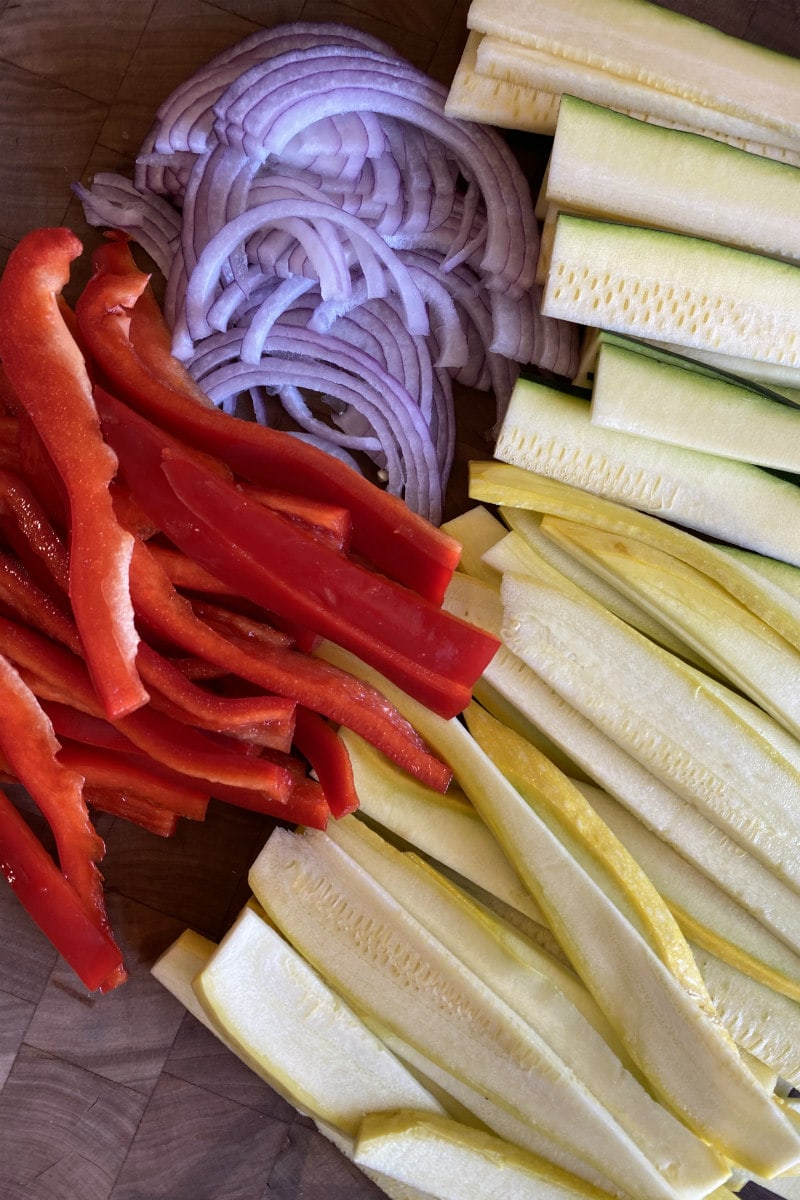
x: 10, y: 455
x: 262, y: 720
x: 54, y: 905
x: 320, y: 743
x: 9, y: 402
x: 131, y: 773
x: 23, y: 600
x: 386, y: 533
x: 30, y: 746
x: 185, y: 573
x: 38, y: 469
x: 139, y: 810
x: 28, y: 529
x: 61, y: 676
x: 48, y: 374
x: 317, y: 685
x: 237, y: 625
x: 433, y: 655
x: 330, y: 522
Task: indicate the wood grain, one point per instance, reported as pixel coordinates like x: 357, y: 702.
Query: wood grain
x: 126, y: 1097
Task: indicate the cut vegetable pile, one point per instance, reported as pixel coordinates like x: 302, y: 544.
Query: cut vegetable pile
x: 529, y: 921
x: 160, y: 599
x: 337, y: 249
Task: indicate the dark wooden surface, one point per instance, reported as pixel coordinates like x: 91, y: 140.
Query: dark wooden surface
x: 126, y: 1097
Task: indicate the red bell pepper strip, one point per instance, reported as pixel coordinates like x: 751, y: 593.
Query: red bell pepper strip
x: 319, y: 742
x: 139, y: 810
x: 234, y: 624
x: 63, y: 677
x: 38, y: 469
x: 263, y: 720
x: 10, y: 455
x: 433, y: 655
x: 79, y: 726
x: 131, y: 773
x: 308, y: 804
x: 330, y: 522
x: 309, y: 681
x: 130, y: 514
x: 54, y: 905
x: 23, y: 600
x: 185, y: 573
x: 28, y: 530
x: 9, y: 401
x: 149, y: 332
x: 48, y: 373
x: 30, y: 746
x: 386, y: 532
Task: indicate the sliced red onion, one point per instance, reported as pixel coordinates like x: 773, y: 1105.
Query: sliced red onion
x: 114, y: 201
x: 337, y: 250
x: 266, y: 115
x: 185, y: 118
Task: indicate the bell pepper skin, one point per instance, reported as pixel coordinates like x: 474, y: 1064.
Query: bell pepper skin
x: 139, y: 810
x: 130, y: 773
x: 48, y: 374
x: 29, y: 531
x: 23, y: 599
x: 56, y: 674
x: 431, y: 654
x: 54, y: 905
x: 319, y: 742
x: 330, y: 522
x: 330, y: 692
x: 30, y: 746
x: 385, y: 532
x: 261, y: 720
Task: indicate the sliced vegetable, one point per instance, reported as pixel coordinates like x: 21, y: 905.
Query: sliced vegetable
x: 474, y: 96
x: 383, y: 251
x: 660, y: 710
x: 542, y: 989
x: 503, y: 484
x: 49, y: 376
x: 634, y: 393
x: 317, y: 686
x: 295, y: 1032
x: 705, y: 914
x: 438, y: 1153
x: 673, y: 1036
x: 669, y: 51
x: 688, y: 291
x: 318, y: 897
x: 530, y: 551
x: 54, y: 904
x: 549, y: 432
x: 420, y: 556
x: 610, y: 165
x: 673, y: 819
x: 212, y: 521
x: 444, y: 827
x: 749, y: 655
x: 525, y: 66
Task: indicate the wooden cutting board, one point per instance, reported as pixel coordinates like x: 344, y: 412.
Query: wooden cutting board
x: 126, y: 1097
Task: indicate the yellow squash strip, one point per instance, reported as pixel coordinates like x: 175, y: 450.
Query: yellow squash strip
x: 684, y: 1051
x: 441, y: 1154
x: 503, y: 483
x: 676, y: 821
x: 664, y: 714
